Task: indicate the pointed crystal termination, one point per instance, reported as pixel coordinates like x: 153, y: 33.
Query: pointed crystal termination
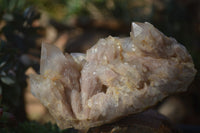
x: 116, y: 77
x: 136, y: 29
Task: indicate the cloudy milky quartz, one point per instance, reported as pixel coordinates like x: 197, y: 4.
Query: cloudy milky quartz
x: 116, y: 77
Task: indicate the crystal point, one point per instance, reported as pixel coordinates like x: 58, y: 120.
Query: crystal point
x: 136, y: 29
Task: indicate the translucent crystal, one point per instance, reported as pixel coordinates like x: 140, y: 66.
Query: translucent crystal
x: 115, y: 78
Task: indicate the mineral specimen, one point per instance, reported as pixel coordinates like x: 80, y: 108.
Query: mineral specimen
x: 115, y: 78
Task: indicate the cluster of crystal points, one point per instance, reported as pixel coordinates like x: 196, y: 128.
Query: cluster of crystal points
x: 116, y: 77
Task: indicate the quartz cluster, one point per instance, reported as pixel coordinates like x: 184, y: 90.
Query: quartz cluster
x: 116, y: 77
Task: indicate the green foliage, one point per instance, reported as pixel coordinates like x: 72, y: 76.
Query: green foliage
x: 9, y: 6
x: 55, y: 9
x: 76, y: 7
x: 121, y: 10
x: 11, y: 83
x: 11, y: 75
x: 19, y: 36
x: 34, y: 127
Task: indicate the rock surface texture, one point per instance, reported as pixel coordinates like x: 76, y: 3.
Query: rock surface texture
x: 115, y: 78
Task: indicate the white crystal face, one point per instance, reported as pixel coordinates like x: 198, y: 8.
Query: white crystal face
x: 115, y: 78
x: 136, y: 29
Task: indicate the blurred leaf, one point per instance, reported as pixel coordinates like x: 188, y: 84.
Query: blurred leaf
x: 0, y: 94
x: 7, y: 80
x: 75, y: 6
x: 2, y: 44
x: 34, y: 127
x: 5, y: 117
x: 2, y: 63
x: 4, y: 4
x: 20, y: 4
x: 12, y: 4
x: 8, y: 17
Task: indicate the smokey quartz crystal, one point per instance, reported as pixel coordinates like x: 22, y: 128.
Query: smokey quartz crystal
x: 116, y: 77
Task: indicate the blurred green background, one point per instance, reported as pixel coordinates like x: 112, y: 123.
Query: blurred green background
x: 74, y: 26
